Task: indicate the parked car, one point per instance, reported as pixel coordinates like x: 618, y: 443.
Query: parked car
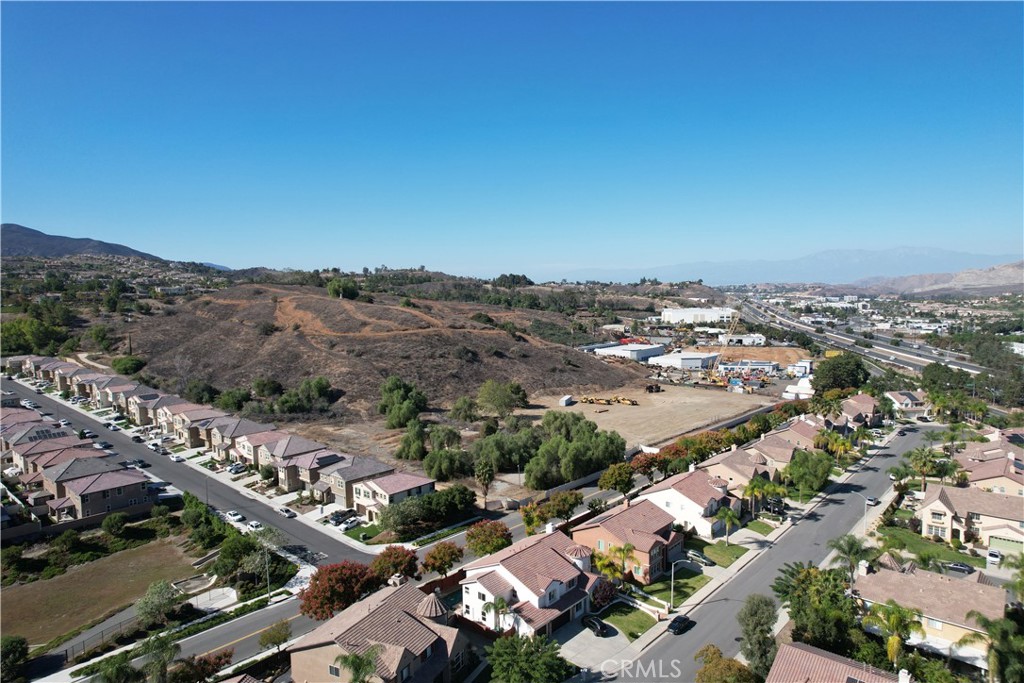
x: 64, y: 423
x: 901, y: 433
x: 924, y: 418
x: 994, y: 556
x: 599, y: 628
x: 959, y: 567
x: 680, y: 624
x: 102, y: 445
x: 140, y: 463
x: 254, y: 525
x: 871, y: 500
x: 89, y: 434
x: 237, y: 468
x: 177, y: 457
x: 137, y: 439
x: 163, y: 451
x: 700, y: 558
x: 285, y: 512
x: 234, y: 515
x: 111, y: 426
x: 350, y: 523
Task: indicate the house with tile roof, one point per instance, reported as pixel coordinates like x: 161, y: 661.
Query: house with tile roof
x: 546, y: 580
x: 27, y: 433
x: 337, y: 481
x: 803, y: 663
x: 643, y: 525
x: 944, y: 603
x: 142, y: 408
x: 303, y: 471
x: 994, y: 519
x: 408, y: 628
x: 909, y: 404
x: 373, y: 495
x: 187, y: 425
x: 220, y: 434
x: 283, y: 449
x: 247, y: 446
x: 860, y: 410
x: 693, y: 499
x: 24, y: 454
x: 84, y: 488
x: 738, y: 467
x: 996, y: 466
x: 166, y: 413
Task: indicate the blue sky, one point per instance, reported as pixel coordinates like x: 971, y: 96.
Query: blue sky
x: 522, y: 137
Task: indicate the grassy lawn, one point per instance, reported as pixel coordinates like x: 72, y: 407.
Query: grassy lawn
x: 630, y: 621
x: 759, y: 527
x: 722, y: 554
x: 370, y: 530
x: 179, y: 449
x: 903, y: 513
x: 43, y: 610
x: 915, y: 543
x: 687, y: 583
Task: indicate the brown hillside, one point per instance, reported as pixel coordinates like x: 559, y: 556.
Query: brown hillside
x: 356, y: 345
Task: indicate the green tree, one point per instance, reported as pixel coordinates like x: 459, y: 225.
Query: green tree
x: 464, y: 410
x: 622, y: 554
x: 400, y: 401
x: 345, y: 288
x: 895, y: 623
x: 276, y: 635
x: 1005, y: 645
x: 607, y: 566
x: 487, y: 537
x: 757, y: 623
x: 441, y: 558
x: 727, y: 516
x: 717, y: 668
x: 13, y: 655
x: 233, y: 399
x: 114, y: 523
x: 153, y: 607
x: 443, y: 436
x: 501, y: 398
x: 515, y: 659
x: 413, y: 443
x: 500, y: 607
x: 360, y: 665
x: 841, y: 372
x: 618, y: 477
x: 563, y: 504
x: 266, y: 387
x: 127, y: 365
x: 484, y: 474
x: 922, y: 460
x: 850, y: 550
x: 446, y: 464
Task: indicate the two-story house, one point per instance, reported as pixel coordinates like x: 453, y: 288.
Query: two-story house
x: 222, y: 433
x: 94, y: 487
x: 187, y: 425
x: 372, y: 495
x: 165, y: 414
x: 290, y: 446
x: 303, y: 471
x: 693, y: 499
x: 23, y: 454
x: 410, y: 630
x: 142, y: 408
x: 995, y: 519
x: 996, y: 466
x: 944, y: 603
x: 247, y: 446
x: 545, y: 579
x: 860, y: 410
x: 738, y: 467
x: 909, y: 404
x: 643, y: 525
x: 803, y: 663
x: 336, y: 481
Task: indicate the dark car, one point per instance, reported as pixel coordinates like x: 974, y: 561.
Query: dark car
x: 599, y: 628
x: 700, y: 558
x: 137, y: 439
x: 901, y: 433
x: 680, y: 625
x: 960, y: 567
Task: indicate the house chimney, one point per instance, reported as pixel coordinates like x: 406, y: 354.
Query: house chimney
x: 905, y: 677
x: 549, y: 528
x: 733, y: 447
x: 693, y: 467
x: 863, y: 568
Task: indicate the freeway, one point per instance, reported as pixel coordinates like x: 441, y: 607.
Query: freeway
x: 671, y: 657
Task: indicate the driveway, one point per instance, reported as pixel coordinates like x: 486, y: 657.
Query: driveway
x: 581, y: 647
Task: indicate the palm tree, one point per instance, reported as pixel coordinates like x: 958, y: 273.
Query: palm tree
x: 1016, y: 582
x: 500, y: 608
x: 118, y: 669
x: 839, y: 446
x: 160, y: 651
x: 623, y: 554
x: 727, y: 515
x: 896, y: 624
x: 922, y: 459
x: 1005, y: 646
x: 771, y: 489
x: 360, y: 666
x: 946, y: 469
x: 850, y: 551
x: 928, y: 559
x: 901, y: 471
x: 822, y: 439
x: 607, y: 566
x: 755, y: 490
x: 860, y: 435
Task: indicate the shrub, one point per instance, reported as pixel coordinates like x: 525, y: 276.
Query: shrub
x: 938, y: 539
x: 266, y: 472
x: 127, y: 365
x: 956, y: 543
x: 604, y: 593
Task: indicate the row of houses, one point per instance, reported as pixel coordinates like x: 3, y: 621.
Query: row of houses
x: 300, y: 464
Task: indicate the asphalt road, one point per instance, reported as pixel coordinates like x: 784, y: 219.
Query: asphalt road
x: 671, y: 657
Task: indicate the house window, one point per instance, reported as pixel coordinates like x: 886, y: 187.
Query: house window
x: 334, y: 671
x: 108, y: 508
x: 405, y: 674
x: 426, y: 653
x: 571, y: 583
x: 938, y: 516
x: 133, y: 501
x: 457, y: 661
x: 467, y: 590
x: 936, y: 530
x: 119, y: 490
x: 600, y: 545
x: 481, y: 597
x: 106, y: 494
x: 86, y: 512
x: 85, y: 498
x: 974, y: 516
x: 552, y: 595
x: 145, y: 499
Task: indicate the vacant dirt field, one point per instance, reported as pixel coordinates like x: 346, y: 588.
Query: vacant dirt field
x: 658, y: 417
x: 783, y: 355
x: 43, y: 610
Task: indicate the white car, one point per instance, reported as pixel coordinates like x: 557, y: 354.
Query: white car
x: 154, y: 446
x: 350, y: 523
x: 177, y: 457
x: 254, y: 525
x: 65, y: 423
x: 234, y: 515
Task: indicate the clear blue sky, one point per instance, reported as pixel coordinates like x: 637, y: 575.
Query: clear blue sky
x: 526, y: 137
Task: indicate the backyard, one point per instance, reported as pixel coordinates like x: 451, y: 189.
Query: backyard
x: 46, y: 609
x: 687, y: 583
x: 629, y: 621
x: 723, y: 555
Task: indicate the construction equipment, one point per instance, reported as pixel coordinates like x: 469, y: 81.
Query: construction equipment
x: 653, y: 388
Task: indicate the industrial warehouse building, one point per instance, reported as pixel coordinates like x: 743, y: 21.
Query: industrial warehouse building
x: 685, y: 360
x: 741, y: 339
x: 637, y: 352
x: 693, y: 316
x: 768, y: 367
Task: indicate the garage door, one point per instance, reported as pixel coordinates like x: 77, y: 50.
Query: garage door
x: 1006, y: 545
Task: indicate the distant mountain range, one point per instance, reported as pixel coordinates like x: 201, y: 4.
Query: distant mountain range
x: 835, y: 266
x: 1008, y: 277
x: 17, y: 240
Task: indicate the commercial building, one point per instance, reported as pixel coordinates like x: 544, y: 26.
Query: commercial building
x: 637, y: 352
x: 694, y: 316
x: 685, y: 360
x: 741, y: 339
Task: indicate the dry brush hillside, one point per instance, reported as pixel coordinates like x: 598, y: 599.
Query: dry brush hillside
x: 436, y: 345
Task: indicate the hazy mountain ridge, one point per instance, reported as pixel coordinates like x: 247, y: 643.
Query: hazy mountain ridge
x: 17, y: 240
x: 1004, y: 277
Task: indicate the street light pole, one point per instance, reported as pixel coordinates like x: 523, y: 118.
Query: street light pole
x: 672, y: 586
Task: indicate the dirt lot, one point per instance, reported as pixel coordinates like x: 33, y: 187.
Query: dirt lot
x: 43, y: 610
x: 658, y: 417
x: 783, y: 355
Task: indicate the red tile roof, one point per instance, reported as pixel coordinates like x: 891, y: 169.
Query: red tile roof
x: 642, y: 524
x: 802, y: 663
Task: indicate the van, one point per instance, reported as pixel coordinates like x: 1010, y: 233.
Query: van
x: 994, y: 556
